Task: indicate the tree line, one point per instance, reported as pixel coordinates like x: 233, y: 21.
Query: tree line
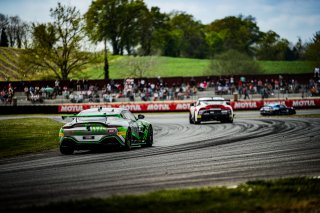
x: 131, y: 28
x: 14, y: 32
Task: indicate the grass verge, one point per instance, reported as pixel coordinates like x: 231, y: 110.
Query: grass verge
x: 188, y: 67
x: 282, y: 195
x: 27, y: 135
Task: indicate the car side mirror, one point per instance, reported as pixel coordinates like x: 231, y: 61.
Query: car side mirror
x: 192, y: 104
x: 140, y: 117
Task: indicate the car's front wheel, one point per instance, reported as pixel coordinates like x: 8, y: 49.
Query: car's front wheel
x: 66, y: 150
x: 198, y: 121
x: 149, y: 141
x: 128, y: 140
x: 191, y: 121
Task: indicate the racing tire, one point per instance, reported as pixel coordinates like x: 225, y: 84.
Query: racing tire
x: 227, y: 120
x: 230, y: 120
x: 191, y: 121
x: 194, y: 120
x: 149, y: 141
x: 128, y: 140
x: 66, y: 150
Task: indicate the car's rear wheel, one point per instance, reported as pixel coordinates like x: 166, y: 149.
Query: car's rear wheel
x: 149, y: 141
x: 66, y: 150
x: 230, y: 119
x: 128, y: 140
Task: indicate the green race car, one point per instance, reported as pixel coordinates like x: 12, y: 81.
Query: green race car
x: 104, y: 127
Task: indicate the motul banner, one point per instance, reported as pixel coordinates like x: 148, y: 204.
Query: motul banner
x: 298, y: 104
x: 185, y: 106
x: 133, y: 107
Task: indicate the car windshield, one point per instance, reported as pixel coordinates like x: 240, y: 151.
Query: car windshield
x: 211, y: 102
x: 272, y: 105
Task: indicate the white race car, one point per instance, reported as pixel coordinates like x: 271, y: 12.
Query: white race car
x: 211, y: 109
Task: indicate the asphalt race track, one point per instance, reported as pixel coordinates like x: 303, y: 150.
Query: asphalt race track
x: 184, y: 155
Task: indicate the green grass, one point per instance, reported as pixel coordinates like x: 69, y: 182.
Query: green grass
x: 286, y: 67
x: 28, y: 135
x: 163, y: 66
x: 282, y: 195
x: 176, y: 67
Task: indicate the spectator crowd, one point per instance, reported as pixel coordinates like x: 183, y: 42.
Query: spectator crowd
x: 80, y: 91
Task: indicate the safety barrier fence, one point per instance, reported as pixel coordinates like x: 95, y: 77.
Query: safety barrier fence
x: 165, y: 106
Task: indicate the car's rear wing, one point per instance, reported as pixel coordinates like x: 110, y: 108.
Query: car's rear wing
x: 91, y: 116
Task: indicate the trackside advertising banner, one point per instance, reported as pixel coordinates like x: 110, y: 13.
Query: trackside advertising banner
x: 185, y: 106
x: 298, y: 104
x: 133, y: 107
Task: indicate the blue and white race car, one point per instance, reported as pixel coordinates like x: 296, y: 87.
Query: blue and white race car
x: 277, y: 109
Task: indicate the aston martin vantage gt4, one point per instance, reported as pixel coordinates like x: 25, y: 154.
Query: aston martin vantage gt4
x: 104, y: 127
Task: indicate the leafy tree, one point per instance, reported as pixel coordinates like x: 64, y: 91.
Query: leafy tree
x: 299, y: 50
x: 215, y: 42
x: 313, y: 50
x: 272, y: 47
x: 16, y: 30
x: 153, y: 23
x: 56, y: 45
x: 239, y: 33
x: 117, y: 21
x: 103, y: 23
x: 134, y: 14
x: 233, y: 62
x: 184, y: 37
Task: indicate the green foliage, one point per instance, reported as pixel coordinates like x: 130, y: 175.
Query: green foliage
x: 152, y: 24
x: 184, y: 37
x: 56, y: 45
x: 238, y: 33
x: 233, y: 62
x: 282, y: 195
x: 124, y: 23
x: 174, y: 67
x: 313, y: 50
x: 272, y: 47
x: 28, y: 135
x: 162, y: 66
